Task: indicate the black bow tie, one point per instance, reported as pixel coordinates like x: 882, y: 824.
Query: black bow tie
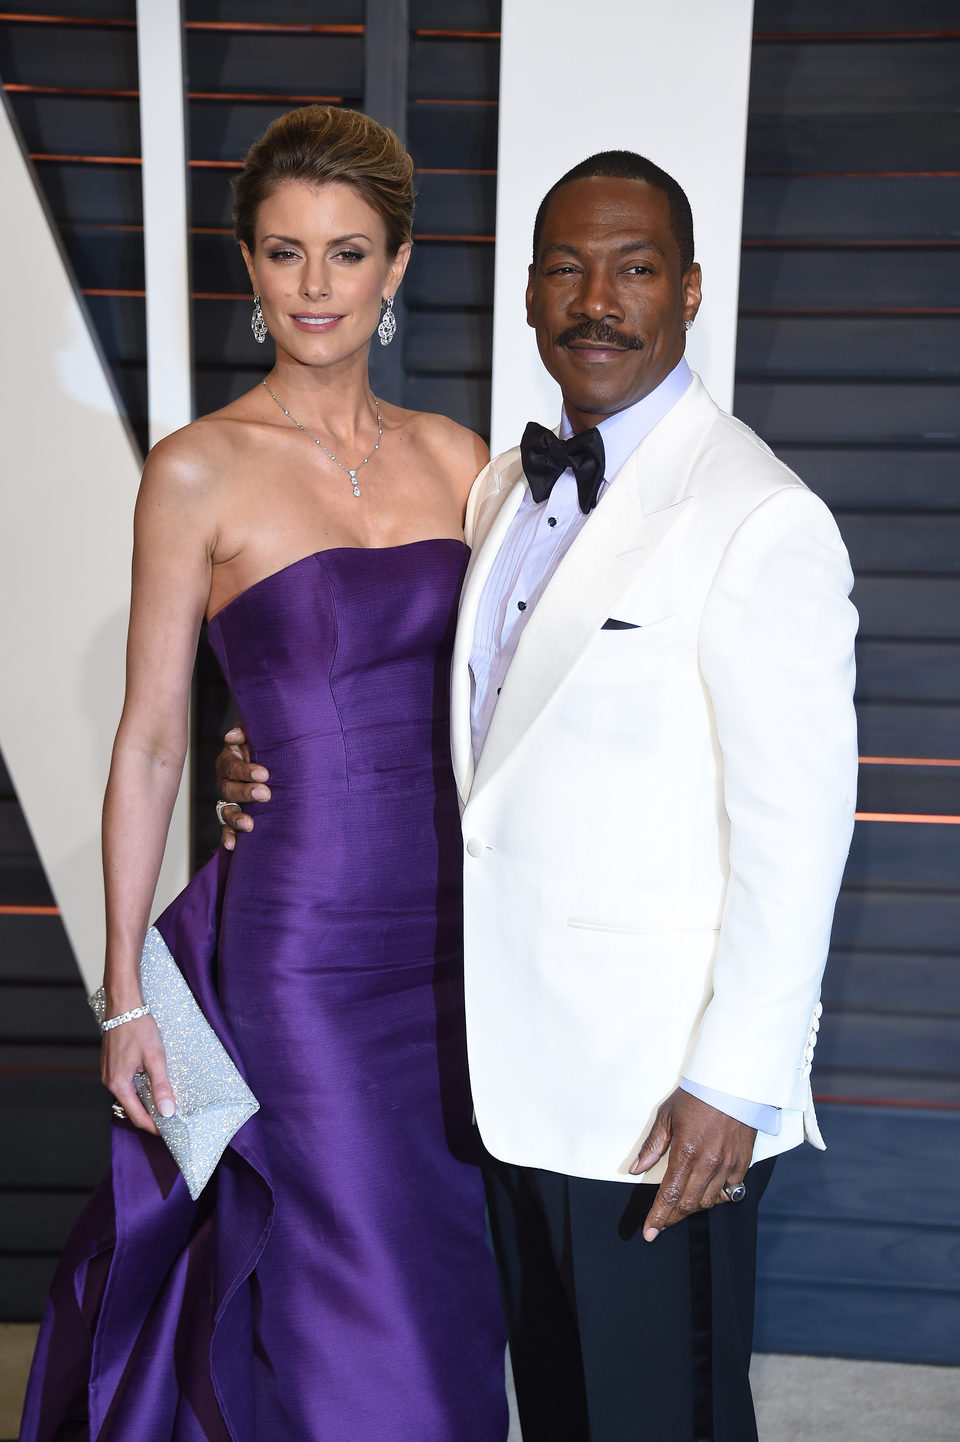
x: 544, y: 457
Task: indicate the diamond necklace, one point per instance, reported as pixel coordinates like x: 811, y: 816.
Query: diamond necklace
x: 350, y: 470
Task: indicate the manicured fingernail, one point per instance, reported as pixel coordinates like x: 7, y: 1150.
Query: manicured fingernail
x: 259, y: 773
x: 166, y: 1107
x: 260, y: 793
x: 650, y: 1234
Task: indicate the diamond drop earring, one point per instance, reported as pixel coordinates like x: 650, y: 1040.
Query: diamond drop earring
x: 257, y: 323
x: 387, y: 328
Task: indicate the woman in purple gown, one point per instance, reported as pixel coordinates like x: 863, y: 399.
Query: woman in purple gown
x: 332, y: 1283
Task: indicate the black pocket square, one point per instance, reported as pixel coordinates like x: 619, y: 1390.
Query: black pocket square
x: 614, y: 625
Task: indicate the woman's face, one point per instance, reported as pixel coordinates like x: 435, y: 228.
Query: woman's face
x: 320, y: 266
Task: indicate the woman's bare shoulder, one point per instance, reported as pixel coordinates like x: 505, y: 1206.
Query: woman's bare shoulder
x: 200, y: 454
x: 454, y: 445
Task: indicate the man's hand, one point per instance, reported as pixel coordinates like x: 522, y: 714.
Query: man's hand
x: 707, y: 1150
x: 240, y: 783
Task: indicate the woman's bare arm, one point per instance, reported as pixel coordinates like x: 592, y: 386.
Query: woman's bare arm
x: 173, y: 546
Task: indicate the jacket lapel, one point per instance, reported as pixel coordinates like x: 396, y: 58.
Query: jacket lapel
x: 646, y: 501
x: 487, y: 543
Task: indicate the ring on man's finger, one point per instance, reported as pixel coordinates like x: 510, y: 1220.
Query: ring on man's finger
x: 220, y: 806
x: 734, y: 1193
x: 119, y: 1112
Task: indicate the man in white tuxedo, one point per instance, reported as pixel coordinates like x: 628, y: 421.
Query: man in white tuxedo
x: 654, y: 741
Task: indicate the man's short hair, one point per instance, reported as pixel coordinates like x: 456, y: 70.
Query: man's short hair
x: 627, y: 165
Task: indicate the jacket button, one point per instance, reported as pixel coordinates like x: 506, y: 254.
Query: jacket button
x: 476, y: 846
x: 808, y: 1054
x: 818, y: 1009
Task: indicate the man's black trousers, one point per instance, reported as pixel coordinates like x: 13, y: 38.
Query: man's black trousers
x: 614, y: 1339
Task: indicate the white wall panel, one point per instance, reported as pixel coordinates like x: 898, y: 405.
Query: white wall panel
x: 668, y: 80
x: 166, y: 238
x: 69, y: 482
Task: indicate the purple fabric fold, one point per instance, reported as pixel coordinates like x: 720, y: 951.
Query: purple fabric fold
x: 128, y: 1346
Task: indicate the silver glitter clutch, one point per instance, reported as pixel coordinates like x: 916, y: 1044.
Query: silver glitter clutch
x: 213, y: 1100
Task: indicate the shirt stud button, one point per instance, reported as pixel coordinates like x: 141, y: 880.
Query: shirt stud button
x: 551, y: 520
x: 521, y: 605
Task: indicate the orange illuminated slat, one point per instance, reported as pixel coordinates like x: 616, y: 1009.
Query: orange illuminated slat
x: 231, y: 27
x: 794, y: 35
x: 469, y: 239
x: 272, y: 28
x: 858, y: 174
x: 457, y: 34
x: 908, y: 761
x: 29, y: 910
x: 97, y: 225
x: 69, y: 90
x: 258, y: 95
x: 906, y: 816
x: 96, y: 290
x: 456, y: 102
x: 18, y: 17
x: 88, y: 159
x: 902, y: 1103
x: 215, y: 164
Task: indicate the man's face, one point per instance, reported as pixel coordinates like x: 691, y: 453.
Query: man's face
x: 607, y: 297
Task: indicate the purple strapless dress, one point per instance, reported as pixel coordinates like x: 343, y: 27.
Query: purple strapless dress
x: 333, y: 1283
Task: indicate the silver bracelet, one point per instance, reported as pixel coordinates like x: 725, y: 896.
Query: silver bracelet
x: 133, y: 1015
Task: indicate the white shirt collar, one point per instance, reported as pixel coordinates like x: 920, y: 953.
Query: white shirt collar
x: 624, y: 431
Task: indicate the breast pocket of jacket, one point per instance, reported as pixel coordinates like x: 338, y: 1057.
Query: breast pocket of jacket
x: 627, y: 641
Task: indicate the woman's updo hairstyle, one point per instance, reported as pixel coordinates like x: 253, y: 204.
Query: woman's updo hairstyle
x: 320, y: 143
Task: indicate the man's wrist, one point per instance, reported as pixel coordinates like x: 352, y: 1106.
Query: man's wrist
x: 759, y: 1115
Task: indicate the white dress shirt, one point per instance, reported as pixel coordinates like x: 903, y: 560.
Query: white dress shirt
x: 535, y: 543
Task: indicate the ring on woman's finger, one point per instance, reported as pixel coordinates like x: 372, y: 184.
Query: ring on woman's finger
x: 220, y: 806
x: 119, y: 1112
x: 735, y: 1193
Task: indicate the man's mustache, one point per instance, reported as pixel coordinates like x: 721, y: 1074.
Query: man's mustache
x: 599, y: 333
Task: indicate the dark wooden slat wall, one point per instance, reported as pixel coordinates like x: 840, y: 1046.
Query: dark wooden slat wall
x: 847, y: 365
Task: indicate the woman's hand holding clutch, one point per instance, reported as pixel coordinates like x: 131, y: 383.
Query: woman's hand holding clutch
x: 128, y: 1050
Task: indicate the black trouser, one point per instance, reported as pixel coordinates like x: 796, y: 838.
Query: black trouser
x: 614, y: 1339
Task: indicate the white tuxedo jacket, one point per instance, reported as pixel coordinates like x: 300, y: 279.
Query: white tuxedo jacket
x: 657, y: 825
